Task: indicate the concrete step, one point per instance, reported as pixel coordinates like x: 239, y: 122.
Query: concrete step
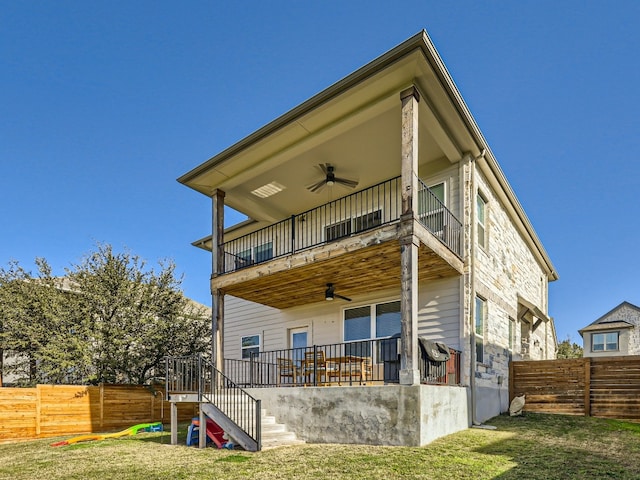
x: 274, y: 434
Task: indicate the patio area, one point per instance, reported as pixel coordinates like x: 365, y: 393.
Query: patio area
x: 368, y: 362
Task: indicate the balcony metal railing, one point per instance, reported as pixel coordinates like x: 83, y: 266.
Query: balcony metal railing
x: 366, y: 362
x: 438, y: 219
x: 352, y: 214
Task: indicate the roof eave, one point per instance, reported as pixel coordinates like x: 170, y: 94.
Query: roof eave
x: 373, y: 67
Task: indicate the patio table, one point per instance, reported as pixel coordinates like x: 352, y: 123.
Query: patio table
x: 348, y: 368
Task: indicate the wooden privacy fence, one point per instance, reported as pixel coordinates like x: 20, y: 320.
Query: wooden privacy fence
x: 606, y: 387
x: 53, y: 410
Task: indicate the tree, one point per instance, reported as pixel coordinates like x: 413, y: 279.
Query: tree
x: 136, y: 316
x: 567, y: 349
x: 38, y: 328
x: 110, y: 319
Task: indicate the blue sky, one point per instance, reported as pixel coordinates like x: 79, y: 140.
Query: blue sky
x: 104, y: 104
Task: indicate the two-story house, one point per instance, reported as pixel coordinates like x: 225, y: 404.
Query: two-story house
x: 616, y: 333
x: 378, y: 221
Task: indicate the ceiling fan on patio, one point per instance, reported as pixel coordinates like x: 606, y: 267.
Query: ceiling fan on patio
x: 330, y: 294
x: 330, y: 179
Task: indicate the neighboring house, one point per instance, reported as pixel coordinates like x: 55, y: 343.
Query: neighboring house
x: 381, y: 194
x: 614, y: 334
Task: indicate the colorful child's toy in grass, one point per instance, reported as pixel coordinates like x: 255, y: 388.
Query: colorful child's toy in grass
x: 142, y: 427
x: 215, y: 434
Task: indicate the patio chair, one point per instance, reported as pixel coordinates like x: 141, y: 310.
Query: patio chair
x: 287, y: 370
x: 361, y: 370
x: 314, y: 363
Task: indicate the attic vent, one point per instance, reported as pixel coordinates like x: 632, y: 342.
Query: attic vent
x: 268, y: 190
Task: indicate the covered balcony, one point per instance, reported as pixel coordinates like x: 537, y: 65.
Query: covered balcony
x: 309, y: 249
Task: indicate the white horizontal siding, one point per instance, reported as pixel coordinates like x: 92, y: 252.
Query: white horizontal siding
x: 438, y: 319
x: 439, y: 311
x: 242, y: 318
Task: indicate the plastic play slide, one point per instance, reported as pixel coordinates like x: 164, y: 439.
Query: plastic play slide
x: 142, y: 427
x: 215, y: 434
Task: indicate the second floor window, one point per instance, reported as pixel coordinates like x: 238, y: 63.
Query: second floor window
x: 258, y: 254
x: 481, y: 214
x: 357, y: 224
x: 602, y: 342
x: 481, y: 316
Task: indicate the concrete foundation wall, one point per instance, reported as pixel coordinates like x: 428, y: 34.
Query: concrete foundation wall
x: 444, y: 411
x: 491, y: 401
x: 370, y: 415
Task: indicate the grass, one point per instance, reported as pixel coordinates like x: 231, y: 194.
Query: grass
x: 535, y: 446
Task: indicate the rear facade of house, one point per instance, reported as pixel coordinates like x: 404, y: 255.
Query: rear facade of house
x: 379, y: 227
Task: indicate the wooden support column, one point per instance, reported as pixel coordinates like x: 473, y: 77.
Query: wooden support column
x: 202, y: 430
x: 217, y: 268
x: 409, y: 366
x: 174, y: 423
x: 217, y: 312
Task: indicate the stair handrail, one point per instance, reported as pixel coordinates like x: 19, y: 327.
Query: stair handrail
x: 197, y: 375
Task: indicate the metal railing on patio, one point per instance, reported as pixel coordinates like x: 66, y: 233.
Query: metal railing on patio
x: 366, y: 362
x: 352, y: 214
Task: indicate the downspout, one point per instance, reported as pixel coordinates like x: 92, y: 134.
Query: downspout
x: 472, y: 289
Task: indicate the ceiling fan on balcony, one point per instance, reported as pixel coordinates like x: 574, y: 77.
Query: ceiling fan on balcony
x: 330, y: 294
x: 330, y: 179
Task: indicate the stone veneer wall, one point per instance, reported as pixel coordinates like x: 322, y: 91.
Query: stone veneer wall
x: 504, y: 269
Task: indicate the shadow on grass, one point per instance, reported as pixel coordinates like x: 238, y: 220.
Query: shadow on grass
x: 546, y: 447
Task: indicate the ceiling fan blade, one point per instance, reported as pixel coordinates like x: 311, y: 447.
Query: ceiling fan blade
x: 317, y: 186
x: 346, y: 182
x: 324, y: 167
x: 342, y: 297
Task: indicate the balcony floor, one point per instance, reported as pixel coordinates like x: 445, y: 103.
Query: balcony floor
x: 355, y: 265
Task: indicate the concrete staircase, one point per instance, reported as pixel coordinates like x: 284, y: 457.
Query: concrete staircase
x: 273, y: 434
x: 276, y: 434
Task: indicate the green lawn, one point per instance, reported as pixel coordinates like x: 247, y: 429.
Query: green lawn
x: 531, y: 447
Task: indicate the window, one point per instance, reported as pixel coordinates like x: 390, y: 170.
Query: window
x: 250, y: 344
x: 337, y: 230
x: 431, y: 207
x: 481, y: 213
x: 243, y: 259
x: 604, y: 342
x: 263, y: 252
x: 355, y: 225
x: 512, y: 334
x: 258, y: 254
x: 357, y: 323
x: 367, y: 221
x: 481, y: 313
x: 368, y: 322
